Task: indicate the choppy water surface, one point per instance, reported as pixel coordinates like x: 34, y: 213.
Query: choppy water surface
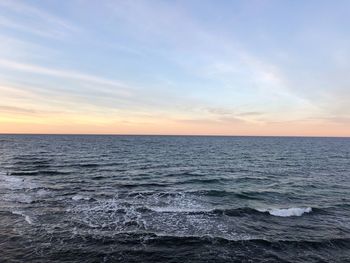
x: 174, y: 199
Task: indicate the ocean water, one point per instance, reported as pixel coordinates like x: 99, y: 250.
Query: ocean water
x: 174, y: 199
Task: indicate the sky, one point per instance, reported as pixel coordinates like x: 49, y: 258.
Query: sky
x: 252, y: 67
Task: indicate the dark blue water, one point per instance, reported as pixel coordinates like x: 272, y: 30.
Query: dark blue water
x: 174, y: 199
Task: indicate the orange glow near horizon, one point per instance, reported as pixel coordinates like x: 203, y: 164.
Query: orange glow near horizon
x: 76, y: 124
x: 35, y: 116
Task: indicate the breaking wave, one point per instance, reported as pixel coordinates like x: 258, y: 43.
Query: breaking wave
x: 13, y: 182
x: 287, y: 212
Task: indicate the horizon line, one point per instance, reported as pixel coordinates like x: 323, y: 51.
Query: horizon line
x: 175, y: 135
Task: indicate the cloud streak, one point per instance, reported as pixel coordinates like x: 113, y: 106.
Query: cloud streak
x: 122, y: 89
x: 13, y: 109
x: 34, y: 21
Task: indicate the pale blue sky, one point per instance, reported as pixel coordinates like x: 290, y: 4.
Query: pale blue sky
x: 237, y: 64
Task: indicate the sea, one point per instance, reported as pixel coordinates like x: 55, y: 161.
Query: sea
x: 92, y: 198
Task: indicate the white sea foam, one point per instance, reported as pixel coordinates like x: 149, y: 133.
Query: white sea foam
x: 231, y: 236
x: 80, y: 197
x: 13, y: 182
x: 18, y: 189
x: 175, y: 203
x: 26, y: 217
x: 42, y: 193
x: 19, y: 198
x: 286, y: 212
x: 174, y: 209
x: 29, y: 220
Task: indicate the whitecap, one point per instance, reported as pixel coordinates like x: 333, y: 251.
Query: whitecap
x: 13, y: 182
x: 80, y: 197
x: 174, y: 209
x: 27, y: 218
x: 287, y: 212
x: 42, y: 193
x: 19, y: 198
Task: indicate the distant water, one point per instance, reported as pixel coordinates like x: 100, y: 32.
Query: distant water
x: 174, y: 199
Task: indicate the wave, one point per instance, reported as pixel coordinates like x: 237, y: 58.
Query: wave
x: 174, y: 209
x: 39, y: 172
x: 185, y: 203
x: 27, y: 218
x: 21, y: 190
x: 13, y: 182
x: 242, y: 211
x: 191, y: 193
x: 81, y: 197
x: 245, y: 240
x: 18, y: 198
x: 248, y: 195
x: 287, y: 212
x: 280, y: 212
x: 199, y: 210
x: 133, y: 185
x: 202, y: 181
x: 87, y: 165
x: 32, y: 162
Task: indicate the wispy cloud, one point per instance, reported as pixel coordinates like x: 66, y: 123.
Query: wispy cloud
x: 13, y: 109
x: 220, y: 57
x: 122, y: 89
x: 27, y: 18
x: 251, y: 113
